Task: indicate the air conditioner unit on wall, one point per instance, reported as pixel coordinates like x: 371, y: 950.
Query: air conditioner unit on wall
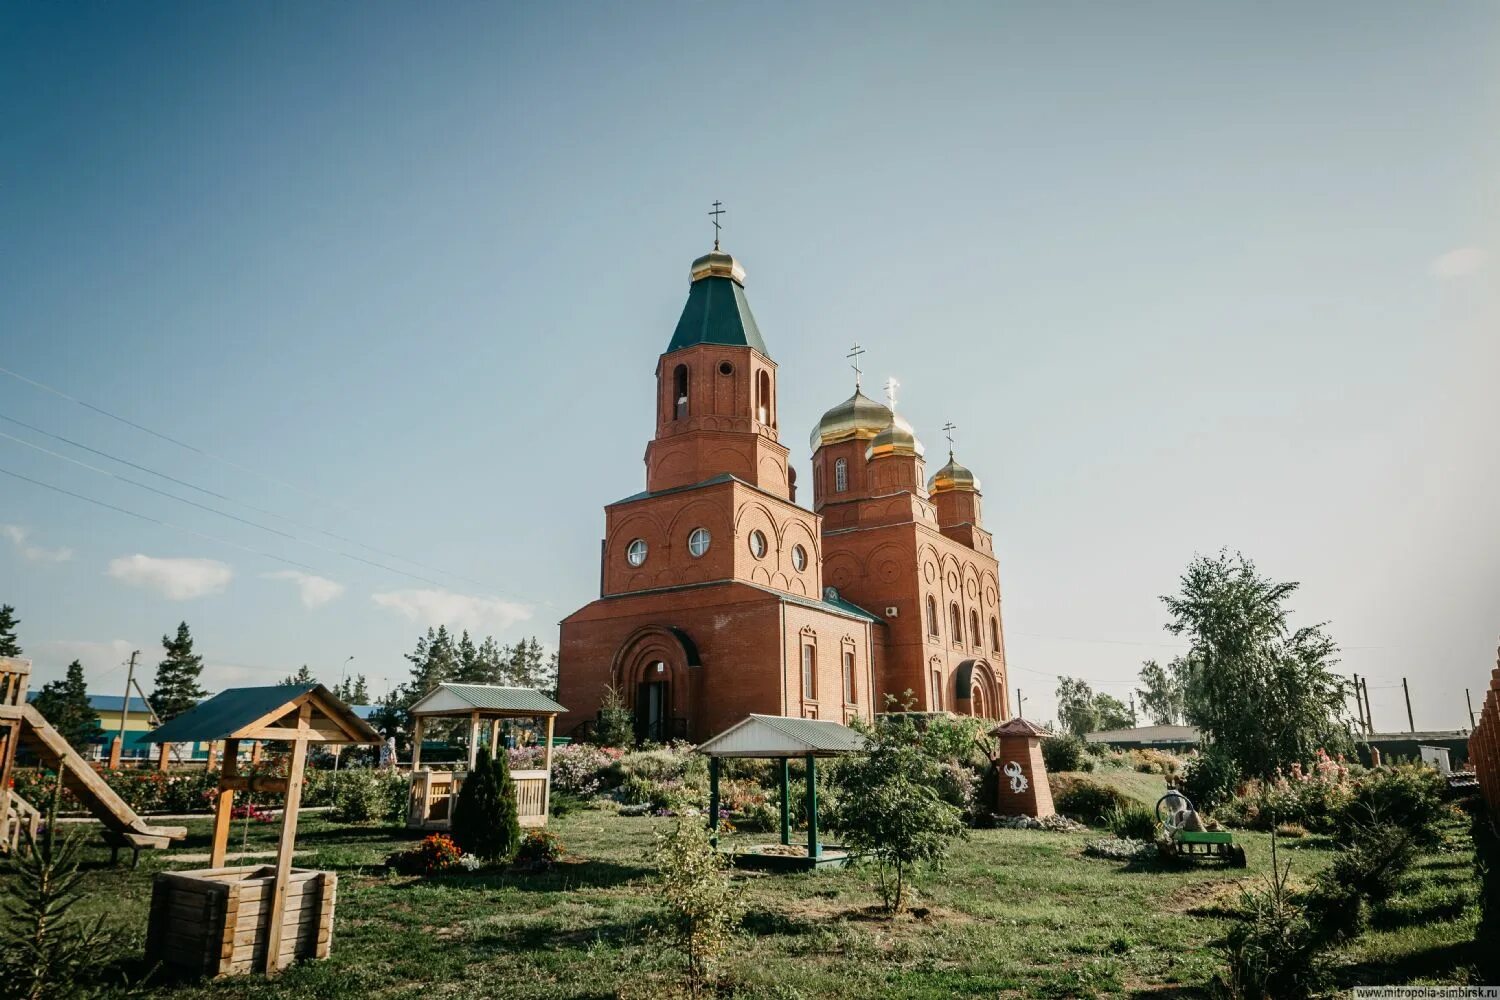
x: 892, y: 612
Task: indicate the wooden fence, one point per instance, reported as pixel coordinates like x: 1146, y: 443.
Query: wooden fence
x: 1484, y: 744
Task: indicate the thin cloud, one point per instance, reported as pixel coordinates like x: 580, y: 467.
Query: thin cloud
x: 315, y: 591
x: 33, y: 553
x: 1459, y: 263
x: 444, y: 607
x: 174, y: 579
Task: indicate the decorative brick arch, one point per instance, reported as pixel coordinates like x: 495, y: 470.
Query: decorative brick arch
x: 977, y: 689
x: 635, y: 663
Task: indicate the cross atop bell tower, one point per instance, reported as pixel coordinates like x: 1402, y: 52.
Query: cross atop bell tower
x: 718, y: 211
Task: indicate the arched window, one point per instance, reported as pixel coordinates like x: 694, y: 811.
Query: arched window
x: 995, y: 634
x: 937, y: 689
x: 763, y: 396
x: 809, y: 671
x: 974, y: 628
x: 932, y: 625
x: 840, y: 476
x: 849, y: 676
x: 956, y: 625
x: 680, y: 392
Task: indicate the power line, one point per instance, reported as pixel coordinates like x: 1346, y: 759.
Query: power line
x: 213, y: 510
x: 227, y: 499
x: 167, y: 437
x: 1107, y: 642
x: 157, y: 521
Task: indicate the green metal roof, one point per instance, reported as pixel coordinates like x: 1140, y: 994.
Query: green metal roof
x: 495, y: 699
x: 779, y: 735
x: 717, y: 312
x: 227, y: 712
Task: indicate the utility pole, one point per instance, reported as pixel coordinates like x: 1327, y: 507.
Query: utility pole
x: 1359, y: 708
x: 1019, y: 700
x: 125, y: 705
x: 1470, y: 700
x: 1411, y: 726
x: 1369, y: 716
x: 1132, y: 708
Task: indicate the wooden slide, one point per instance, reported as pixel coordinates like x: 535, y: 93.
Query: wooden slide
x: 122, y: 827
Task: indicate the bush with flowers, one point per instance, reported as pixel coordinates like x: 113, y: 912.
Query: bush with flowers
x: 1311, y: 797
x: 539, y: 851
x: 436, y: 853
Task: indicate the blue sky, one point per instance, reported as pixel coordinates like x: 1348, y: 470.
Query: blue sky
x: 1185, y: 276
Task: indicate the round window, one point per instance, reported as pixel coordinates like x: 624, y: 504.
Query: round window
x: 698, y: 542
x: 799, y: 558
x: 725, y: 368
x: 757, y: 544
x: 635, y: 552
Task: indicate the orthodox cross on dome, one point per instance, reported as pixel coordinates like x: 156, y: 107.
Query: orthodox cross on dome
x: 948, y: 430
x: 891, y: 385
x: 718, y: 211
x: 853, y: 356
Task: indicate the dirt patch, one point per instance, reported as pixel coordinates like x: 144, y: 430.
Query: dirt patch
x: 1205, y: 899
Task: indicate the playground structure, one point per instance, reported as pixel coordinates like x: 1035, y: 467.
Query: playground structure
x: 433, y: 792
x: 22, y: 725
x: 220, y: 921
x: 782, y: 738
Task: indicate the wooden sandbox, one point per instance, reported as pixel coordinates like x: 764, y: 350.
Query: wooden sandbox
x: 216, y: 921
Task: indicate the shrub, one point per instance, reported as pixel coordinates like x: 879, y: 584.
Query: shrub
x: 435, y: 854
x: 1409, y: 797
x: 1062, y: 753
x: 1487, y: 869
x: 958, y: 785
x: 702, y: 908
x: 1148, y: 760
x: 539, y: 851
x: 361, y: 795
x: 484, y: 816
x: 1272, y: 952
x: 1086, y: 799
x: 1209, y: 779
x: 582, y: 769
x: 758, y: 817
x: 1131, y: 822
x: 891, y: 809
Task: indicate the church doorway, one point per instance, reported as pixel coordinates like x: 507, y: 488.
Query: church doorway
x: 652, y: 712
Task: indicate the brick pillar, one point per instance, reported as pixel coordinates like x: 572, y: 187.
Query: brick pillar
x: 1021, y: 774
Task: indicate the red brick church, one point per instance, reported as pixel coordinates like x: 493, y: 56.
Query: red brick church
x: 720, y: 595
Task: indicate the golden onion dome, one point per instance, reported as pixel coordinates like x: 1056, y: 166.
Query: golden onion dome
x: 895, y: 438
x: 857, y: 418
x: 718, y: 264
x: 952, y: 477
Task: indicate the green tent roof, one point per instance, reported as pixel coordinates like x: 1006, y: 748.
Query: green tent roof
x: 717, y: 312
x: 486, y: 697
x: 227, y: 712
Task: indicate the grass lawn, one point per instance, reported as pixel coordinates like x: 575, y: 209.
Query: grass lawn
x: 1015, y: 913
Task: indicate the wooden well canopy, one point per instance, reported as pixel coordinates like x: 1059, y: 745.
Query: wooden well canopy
x: 781, y: 737
x: 481, y: 701
x: 295, y: 713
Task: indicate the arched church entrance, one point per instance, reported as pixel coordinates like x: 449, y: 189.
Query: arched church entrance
x: 650, y: 672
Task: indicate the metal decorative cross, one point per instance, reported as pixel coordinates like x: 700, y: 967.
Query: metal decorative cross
x: 718, y: 211
x: 891, y: 385
x: 853, y: 356
x: 948, y: 429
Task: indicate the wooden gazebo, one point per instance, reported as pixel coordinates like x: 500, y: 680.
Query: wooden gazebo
x: 782, y: 738
x: 224, y: 920
x: 430, y: 806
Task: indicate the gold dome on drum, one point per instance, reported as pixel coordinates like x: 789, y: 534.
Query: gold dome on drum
x: 896, y: 438
x: 857, y: 418
x: 718, y: 264
x: 952, y: 477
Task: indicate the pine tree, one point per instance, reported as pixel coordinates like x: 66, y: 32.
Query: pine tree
x: 485, y: 819
x: 529, y: 667
x: 45, y: 949
x: 65, y: 704
x: 433, y: 661
x: 8, y: 622
x: 177, y: 675
x: 302, y: 676
x: 353, y: 690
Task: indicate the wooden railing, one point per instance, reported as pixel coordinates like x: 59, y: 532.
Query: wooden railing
x: 433, y: 793
x: 1484, y: 745
x: 14, y: 676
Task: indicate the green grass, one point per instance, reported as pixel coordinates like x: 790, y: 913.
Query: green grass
x: 1015, y: 913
